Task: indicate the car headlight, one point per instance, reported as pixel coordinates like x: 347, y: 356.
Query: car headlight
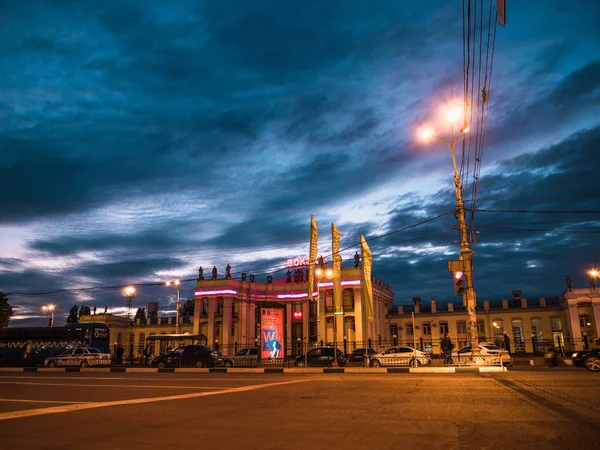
x: 574, y: 355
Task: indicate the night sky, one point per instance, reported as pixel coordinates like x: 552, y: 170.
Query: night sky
x: 140, y: 140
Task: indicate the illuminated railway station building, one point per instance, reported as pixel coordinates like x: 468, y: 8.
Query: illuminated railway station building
x: 244, y: 312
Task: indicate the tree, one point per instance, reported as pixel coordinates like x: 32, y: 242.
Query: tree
x: 140, y: 314
x: 84, y: 311
x: 73, y: 314
x: 5, y: 310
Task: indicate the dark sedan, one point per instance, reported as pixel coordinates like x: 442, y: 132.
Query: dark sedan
x: 321, y: 357
x: 359, y: 355
x: 189, y: 356
x: 590, y: 359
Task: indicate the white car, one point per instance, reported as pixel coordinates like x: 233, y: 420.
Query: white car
x: 490, y: 355
x: 400, y: 356
x: 247, y: 357
x: 81, y: 356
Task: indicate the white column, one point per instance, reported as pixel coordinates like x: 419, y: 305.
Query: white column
x: 596, y: 309
x: 575, y: 328
x: 210, y: 335
x: 227, y: 311
x: 358, y: 316
x: 197, y: 311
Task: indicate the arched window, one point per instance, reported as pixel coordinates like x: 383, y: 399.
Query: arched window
x: 518, y: 338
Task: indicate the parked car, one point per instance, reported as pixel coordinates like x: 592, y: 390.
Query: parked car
x: 80, y: 356
x: 590, y: 359
x: 321, y: 357
x: 246, y: 357
x: 491, y: 354
x: 358, y: 355
x: 400, y: 356
x: 189, y: 356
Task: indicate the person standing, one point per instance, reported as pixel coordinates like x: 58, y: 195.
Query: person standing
x: 120, y: 351
x: 447, y: 347
x: 147, y: 353
x: 507, y: 343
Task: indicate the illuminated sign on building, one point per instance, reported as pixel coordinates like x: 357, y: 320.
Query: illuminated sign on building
x: 272, y: 326
x: 298, y: 315
x: 298, y: 262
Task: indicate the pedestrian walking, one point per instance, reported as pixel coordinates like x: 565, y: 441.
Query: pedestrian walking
x: 120, y: 351
x: 447, y: 347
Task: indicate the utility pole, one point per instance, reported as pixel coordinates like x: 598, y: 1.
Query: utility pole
x: 465, y: 264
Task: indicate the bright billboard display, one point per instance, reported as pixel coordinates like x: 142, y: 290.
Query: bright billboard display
x: 272, y: 325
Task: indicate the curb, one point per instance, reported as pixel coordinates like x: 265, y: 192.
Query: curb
x: 332, y: 370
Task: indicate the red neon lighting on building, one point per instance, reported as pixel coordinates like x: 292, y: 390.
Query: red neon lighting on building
x: 298, y: 315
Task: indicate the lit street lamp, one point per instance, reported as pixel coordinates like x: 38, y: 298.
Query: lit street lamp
x: 50, y: 307
x: 176, y: 284
x: 322, y: 272
x: 466, y: 255
x: 593, y: 275
x: 129, y: 294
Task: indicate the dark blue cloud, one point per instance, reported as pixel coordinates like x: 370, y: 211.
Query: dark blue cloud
x: 139, y: 141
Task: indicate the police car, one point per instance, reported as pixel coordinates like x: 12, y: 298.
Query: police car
x: 80, y: 356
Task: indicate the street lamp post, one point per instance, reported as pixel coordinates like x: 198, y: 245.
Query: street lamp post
x: 129, y: 295
x: 466, y: 255
x: 327, y: 273
x: 176, y: 284
x: 50, y: 307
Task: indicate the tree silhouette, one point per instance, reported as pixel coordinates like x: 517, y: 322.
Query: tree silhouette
x: 140, y: 314
x: 5, y: 310
x: 73, y: 315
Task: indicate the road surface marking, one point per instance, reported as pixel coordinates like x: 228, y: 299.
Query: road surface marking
x: 157, y: 386
x: 36, y: 401
x: 83, y: 406
x: 75, y: 376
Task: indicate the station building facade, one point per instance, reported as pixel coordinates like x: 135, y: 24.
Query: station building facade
x: 228, y: 315
x: 236, y: 314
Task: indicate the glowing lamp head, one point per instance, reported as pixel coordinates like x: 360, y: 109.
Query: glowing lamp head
x: 458, y: 275
x: 329, y: 273
x: 454, y: 113
x: 129, y: 291
x: 594, y: 273
x: 318, y: 272
x: 426, y: 133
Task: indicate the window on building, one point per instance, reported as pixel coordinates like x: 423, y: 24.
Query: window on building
x: 556, y: 324
x: 584, y: 321
x: 426, y: 328
x: 141, y: 341
x: 536, y: 328
x: 409, y: 329
x: 461, y: 327
x: 443, y: 328
x: 119, y: 338
x: 480, y: 327
x: 348, y: 300
x: 498, y: 330
x: 518, y: 338
x: 393, y: 330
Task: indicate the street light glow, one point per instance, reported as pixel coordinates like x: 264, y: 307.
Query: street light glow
x: 593, y: 272
x: 318, y: 272
x: 329, y: 273
x: 129, y: 291
x: 426, y: 133
x: 173, y: 283
x: 49, y: 307
x: 454, y: 113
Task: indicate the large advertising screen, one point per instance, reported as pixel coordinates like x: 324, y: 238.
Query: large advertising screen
x: 272, y: 326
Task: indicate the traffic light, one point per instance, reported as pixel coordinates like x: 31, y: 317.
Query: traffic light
x: 459, y: 283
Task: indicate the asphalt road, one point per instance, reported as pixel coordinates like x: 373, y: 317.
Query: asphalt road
x: 514, y: 410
